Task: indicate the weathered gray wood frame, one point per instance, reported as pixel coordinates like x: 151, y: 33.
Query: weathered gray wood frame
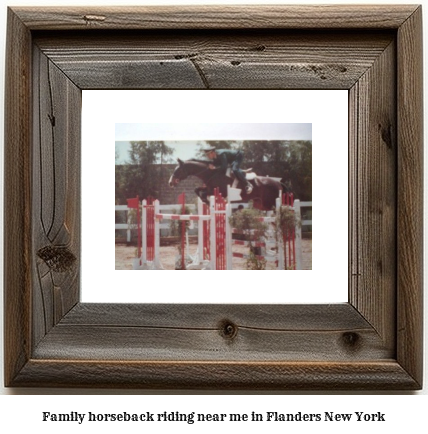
x: 372, y: 342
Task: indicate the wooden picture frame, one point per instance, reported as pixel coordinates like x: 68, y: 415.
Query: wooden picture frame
x: 372, y: 342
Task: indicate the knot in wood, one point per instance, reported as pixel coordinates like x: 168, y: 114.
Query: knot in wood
x: 386, y: 134
x: 59, y: 259
x: 227, y: 329
x: 351, y: 340
x: 93, y: 18
x: 259, y: 48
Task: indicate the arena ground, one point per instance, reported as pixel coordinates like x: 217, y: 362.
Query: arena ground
x: 169, y: 253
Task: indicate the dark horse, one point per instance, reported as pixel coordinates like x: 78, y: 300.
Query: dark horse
x: 265, y: 189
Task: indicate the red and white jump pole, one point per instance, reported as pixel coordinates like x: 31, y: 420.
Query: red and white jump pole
x: 216, y: 254
x: 219, y: 232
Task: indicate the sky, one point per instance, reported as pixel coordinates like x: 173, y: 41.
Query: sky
x: 184, y: 137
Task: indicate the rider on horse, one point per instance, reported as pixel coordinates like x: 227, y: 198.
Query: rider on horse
x: 222, y: 158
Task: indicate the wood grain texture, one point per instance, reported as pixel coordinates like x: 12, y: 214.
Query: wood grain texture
x: 373, y: 177
x: 208, y: 316
x: 385, y: 375
x: 372, y: 342
x: 197, y: 332
x: 56, y: 198
x: 217, y: 17
x: 216, y: 60
x: 410, y: 193
x: 17, y: 197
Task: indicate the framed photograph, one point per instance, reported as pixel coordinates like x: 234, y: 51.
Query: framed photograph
x: 372, y: 340
x: 204, y: 216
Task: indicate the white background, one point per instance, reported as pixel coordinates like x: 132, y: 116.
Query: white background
x: 16, y: 412
x: 327, y: 282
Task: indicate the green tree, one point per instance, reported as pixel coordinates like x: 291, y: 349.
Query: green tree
x: 290, y: 160
x: 142, y: 173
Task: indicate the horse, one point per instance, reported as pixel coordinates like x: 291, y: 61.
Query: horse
x: 265, y: 189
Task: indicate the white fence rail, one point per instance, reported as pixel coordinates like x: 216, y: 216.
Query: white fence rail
x: 175, y: 209
x: 164, y: 209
